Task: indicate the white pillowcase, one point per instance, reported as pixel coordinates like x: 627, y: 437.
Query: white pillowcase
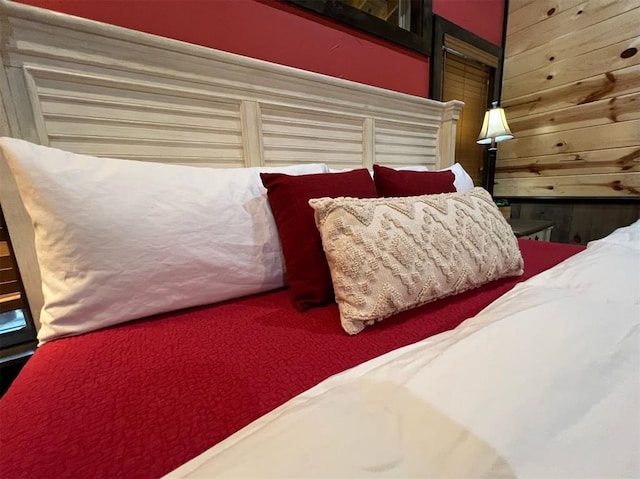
x: 463, y: 182
x: 118, y: 240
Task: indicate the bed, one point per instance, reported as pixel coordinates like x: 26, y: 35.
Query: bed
x: 185, y: 321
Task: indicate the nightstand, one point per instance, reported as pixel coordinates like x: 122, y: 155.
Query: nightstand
x: 539, y: 230
x: 11, y: 361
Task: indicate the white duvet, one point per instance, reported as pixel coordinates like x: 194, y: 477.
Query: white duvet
x: 543, y: 383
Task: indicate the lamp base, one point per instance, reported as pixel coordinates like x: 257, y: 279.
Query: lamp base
x: 489, y: 170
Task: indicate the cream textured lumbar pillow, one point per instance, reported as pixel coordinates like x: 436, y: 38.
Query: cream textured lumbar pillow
x: 388, y: 255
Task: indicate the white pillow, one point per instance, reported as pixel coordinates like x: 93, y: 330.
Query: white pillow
x: 463, y: 182
x: 412, y: 168
x: 118, y: 240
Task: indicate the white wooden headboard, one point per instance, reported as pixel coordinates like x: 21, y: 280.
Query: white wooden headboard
x: 103, y: 90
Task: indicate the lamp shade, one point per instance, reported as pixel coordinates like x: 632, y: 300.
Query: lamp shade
x: 494, y: 127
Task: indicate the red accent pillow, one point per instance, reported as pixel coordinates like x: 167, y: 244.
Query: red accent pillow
x: 390, y: 182
x: 307, y: 269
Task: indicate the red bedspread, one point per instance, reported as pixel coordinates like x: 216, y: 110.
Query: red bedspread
x: 140, y: 399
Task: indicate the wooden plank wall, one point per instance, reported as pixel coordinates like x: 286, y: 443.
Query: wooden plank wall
x: 572, y: 97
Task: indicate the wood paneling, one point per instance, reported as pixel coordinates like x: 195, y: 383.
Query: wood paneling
x: 626, y: 185
x: 616, y: 109
x: 524, y: 13
x: 569, y: 45
x: 572, y: 97
x: 517, y: 4
x: 573, y: 69
x: 576, y: 14
x: 626, y: 133
x: 616, y: 160
x: 601, y: 86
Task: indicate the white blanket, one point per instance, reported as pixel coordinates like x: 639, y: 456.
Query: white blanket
x: 545, y: 382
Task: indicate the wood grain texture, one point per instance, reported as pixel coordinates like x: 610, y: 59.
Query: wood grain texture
x: 526, y: 13
x: 571, y: 94
x: 615, y: 160
x: 614, y: 135
x: 601, y: 86
x: 622, y: 26
x: 603, y: 185
x: 517, y: 4
x: 605, y: 60
x: 612, y: 110
x: 571, y: 18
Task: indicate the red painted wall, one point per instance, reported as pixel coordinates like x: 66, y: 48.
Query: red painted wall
x: 279, y: 32
x: 482, y: 17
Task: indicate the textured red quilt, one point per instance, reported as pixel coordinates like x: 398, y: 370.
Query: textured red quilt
x: 140, y: 399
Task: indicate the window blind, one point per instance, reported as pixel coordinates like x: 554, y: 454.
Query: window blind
x: 10, y: 298
x: 467, y: 80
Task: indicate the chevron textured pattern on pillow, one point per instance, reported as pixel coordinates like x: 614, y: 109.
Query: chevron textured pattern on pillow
x: 387, y: 255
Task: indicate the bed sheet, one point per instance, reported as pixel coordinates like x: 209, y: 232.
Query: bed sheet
x: 140, y: 399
